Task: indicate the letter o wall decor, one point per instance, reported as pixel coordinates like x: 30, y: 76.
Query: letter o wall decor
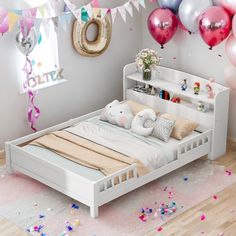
x: 95, y: 47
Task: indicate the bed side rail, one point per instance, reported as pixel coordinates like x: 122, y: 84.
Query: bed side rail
x: 197, y: 146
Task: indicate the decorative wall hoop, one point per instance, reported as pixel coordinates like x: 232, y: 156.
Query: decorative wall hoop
x: 94, y: 48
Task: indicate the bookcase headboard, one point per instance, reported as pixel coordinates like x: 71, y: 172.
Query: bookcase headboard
x: 163, y: 78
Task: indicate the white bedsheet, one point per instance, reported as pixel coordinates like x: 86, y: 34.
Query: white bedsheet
x: 123, y: 141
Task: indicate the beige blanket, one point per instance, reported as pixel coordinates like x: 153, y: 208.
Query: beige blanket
x: 87, y: 153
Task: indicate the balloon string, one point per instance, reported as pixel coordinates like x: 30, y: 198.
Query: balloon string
x: 33, y: 110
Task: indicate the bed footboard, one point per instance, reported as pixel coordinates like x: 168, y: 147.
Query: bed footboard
x: 115, y: 185
x: 198, y: 146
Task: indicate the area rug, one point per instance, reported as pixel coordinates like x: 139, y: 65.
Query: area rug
x: 36, y: 207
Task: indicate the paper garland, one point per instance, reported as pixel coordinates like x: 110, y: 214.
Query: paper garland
x: 122, y: 9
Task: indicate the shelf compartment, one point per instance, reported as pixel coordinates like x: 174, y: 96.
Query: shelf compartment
x: 172, y: 87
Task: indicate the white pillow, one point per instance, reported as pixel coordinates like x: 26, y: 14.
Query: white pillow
x: 107, y: 109
x: 117, y: 114
x: 162, y: 128
x: 139, y: 120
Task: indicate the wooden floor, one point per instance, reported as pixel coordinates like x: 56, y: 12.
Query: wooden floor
x: 220, y: 215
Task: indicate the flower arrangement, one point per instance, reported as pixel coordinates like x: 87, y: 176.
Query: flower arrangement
x: 147, y: 58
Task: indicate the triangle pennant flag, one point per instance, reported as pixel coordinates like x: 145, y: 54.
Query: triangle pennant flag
x: 12, y: 19
x: 46, y: 26
x: 113, y: 14
x: 78, y: 15
x: 142, y: 3
x: 129, y: 8
x: 55, y: 22
x: 122, y: 11
x: 95, y: 4
x: 37, y: 25
x: 136, y: 4
x: 63, y: 22
x: 89, y: 10
x: 42, y: 10
x: 103, y: 12
x: 48, y: 10
x: 96, y: 12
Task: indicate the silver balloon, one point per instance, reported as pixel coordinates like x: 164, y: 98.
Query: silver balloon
x: 26, y: 44
x: 170, y: 4
x: 189, y: 12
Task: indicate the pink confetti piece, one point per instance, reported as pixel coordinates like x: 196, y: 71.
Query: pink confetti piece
x: 159, y: 229
x: 228, y: 172
x: 203, y: 217
x: 215, y: 197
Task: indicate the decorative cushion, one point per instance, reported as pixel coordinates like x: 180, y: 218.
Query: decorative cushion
x: 182, y: 128
x: 162, y: 128
x: 117, y: 114
x: 137, y: 107
x: 139, y: 120
x: 105, y: 112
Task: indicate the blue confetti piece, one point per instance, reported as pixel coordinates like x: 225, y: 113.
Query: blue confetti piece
x: 75, y: 206
x: 185, y: 178
x: 69, y: 228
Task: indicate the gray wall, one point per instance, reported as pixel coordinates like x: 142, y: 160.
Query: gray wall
x: 92, y: 82
x: 192, y: 56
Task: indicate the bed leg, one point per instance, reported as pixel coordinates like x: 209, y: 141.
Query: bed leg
x: 8, y: 158
x: 94, y: 211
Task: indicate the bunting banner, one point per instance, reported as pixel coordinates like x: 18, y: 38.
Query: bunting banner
x: 52, y: 11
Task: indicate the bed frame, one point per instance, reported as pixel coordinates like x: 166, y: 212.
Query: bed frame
x: 210, y: 141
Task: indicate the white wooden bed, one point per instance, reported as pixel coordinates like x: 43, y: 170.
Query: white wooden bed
x: 210, y: 140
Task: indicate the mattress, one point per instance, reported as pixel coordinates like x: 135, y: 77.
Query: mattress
x: 170, y: 147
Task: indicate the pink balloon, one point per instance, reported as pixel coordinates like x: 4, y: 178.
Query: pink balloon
x: 230, y: 48
x: 234, y: 25
x: 230, y: 5
x: 162, y: 25
x: 4, y: 25
x: 214, y: 25
x: 230, y: 76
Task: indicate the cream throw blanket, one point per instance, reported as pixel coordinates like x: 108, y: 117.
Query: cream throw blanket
x: 88, y: 153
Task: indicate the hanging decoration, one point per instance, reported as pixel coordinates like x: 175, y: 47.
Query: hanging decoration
x: 25, y: 42
x: 162, y: 25
x: 189, y: 12
x: 214, y: 25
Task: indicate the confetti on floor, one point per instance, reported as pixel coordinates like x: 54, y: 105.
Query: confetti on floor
x: 203, y: 217
x: 215, y: 197
x: 159, y: 229
x: 228, y: 172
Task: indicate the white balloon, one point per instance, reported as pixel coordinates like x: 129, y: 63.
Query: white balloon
x: 230, y: 76
x: 137, y: 125
x: 189, y: 12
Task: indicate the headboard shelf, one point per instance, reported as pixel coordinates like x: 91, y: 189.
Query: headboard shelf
x: 216, y: 118
x: 173, y: 87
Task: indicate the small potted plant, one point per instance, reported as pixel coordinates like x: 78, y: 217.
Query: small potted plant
x: 146, y: 59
